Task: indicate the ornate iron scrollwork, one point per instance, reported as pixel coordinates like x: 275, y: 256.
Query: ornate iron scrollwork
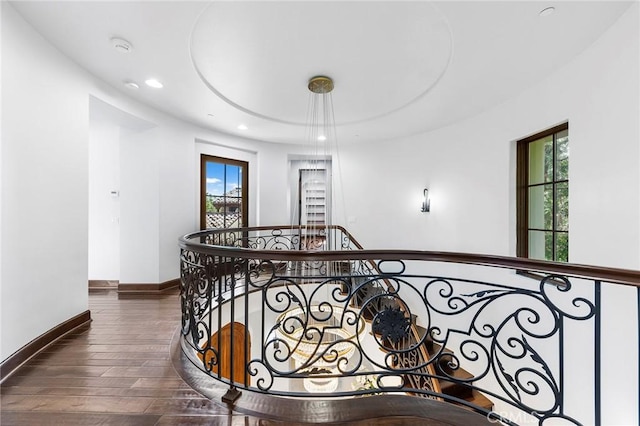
x: 392, y: 324
x: 306, y: 318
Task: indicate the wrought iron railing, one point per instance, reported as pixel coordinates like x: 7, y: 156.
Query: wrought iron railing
x: 263, y: 309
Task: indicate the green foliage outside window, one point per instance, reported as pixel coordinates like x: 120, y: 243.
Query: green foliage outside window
x: 559, y: 221
x: 546, y: 159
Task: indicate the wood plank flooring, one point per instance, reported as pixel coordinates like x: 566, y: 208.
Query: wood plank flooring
x: 118, y: 371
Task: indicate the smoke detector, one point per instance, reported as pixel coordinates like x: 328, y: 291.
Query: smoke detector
x: 121, y: 45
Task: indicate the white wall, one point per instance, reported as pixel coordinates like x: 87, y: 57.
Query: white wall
x: 45, y: 129
x: 469, y: 168
x: 1, y: 191
x: 108, y: 128
x: 104, y: 207
x: 177, y: 201
x: 140, y: 207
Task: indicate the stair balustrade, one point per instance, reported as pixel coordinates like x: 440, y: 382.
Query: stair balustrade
x: 325, y: 318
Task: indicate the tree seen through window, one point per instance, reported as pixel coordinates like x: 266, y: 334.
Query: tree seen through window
x: 543, y: 195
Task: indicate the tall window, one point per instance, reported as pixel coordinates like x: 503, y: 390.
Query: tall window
x: 223, y: 192
x: 543, y: 195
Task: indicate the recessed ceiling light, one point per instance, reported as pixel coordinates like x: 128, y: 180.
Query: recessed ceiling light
x: 547, y: 11
x: 322, y: 138
x: 242, y: 127
x: 131, y: 84
x: 121, y: 45
x: 152, y: 82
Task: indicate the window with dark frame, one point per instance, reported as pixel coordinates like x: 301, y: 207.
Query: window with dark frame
x: 223, y: 192
x: 543, y: 195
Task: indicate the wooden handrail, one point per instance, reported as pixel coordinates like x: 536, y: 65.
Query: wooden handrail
x: 622, y: 276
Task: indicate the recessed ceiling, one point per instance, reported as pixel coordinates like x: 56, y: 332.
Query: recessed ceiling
x: 275, y: 48
x: 399, y: 68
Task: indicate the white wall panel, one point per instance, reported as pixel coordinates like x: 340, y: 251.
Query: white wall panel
x: 45, y: 132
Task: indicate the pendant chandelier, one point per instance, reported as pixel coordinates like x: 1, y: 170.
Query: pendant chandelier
x: 319, y: 336
x: 316, y: 206
x: 321, y: 119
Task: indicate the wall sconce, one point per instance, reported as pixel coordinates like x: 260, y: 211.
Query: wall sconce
x: 426, y: 202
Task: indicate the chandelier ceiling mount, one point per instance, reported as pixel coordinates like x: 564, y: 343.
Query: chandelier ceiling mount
x: 320, y: 84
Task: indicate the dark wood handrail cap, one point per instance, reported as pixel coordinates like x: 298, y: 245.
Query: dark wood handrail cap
x: 629, y: 277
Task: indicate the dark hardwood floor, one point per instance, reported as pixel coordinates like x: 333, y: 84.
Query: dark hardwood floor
x: 118, y: 371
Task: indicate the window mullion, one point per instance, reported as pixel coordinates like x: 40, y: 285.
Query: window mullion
x: 553, y: 198
x: 224, y: 197
x: 532, y: 149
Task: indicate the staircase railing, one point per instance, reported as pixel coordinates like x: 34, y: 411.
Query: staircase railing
x: 320, y: 323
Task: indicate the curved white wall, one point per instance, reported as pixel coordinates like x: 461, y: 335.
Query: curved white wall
x: 47, y: 129
x: 469, y: 167
x: 45, y: 126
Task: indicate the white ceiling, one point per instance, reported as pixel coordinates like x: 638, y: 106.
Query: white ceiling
x: 399, y: 68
